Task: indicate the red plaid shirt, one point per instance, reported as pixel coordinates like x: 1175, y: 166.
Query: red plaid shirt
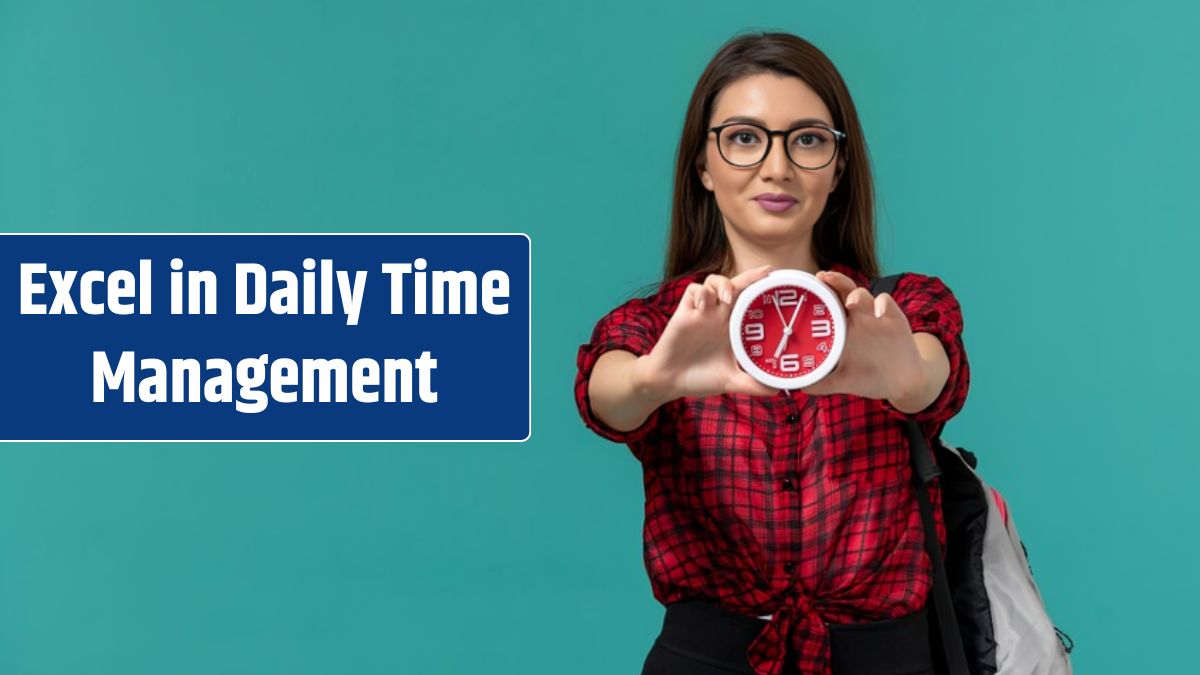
x: 792, y: 505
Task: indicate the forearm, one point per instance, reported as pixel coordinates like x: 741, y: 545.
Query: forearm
x: 931, y: 377
x: 619, y: 392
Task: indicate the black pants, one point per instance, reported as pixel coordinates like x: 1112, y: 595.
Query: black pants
x: 701, y: 638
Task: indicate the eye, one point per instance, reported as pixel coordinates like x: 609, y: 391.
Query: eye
x: 811, y: 138
x: 742, y: 136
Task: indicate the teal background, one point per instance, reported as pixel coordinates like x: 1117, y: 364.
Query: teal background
x: 1038, y: 157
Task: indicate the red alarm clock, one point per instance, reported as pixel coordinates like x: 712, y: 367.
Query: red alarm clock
x: 788, y: 329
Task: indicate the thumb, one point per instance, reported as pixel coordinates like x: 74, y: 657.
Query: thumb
x: 886, y: 305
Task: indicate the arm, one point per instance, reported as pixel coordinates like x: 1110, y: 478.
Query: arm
x: 642, y: 357
x: 621, y: 396
x: 605, y: 369
x: 935, y: 372
x: 936, y: 320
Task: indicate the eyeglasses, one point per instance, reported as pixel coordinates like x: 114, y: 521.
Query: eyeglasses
x: 745, y: 144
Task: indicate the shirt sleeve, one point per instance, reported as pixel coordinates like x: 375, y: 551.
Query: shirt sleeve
x: 932, y: 308
x: 631, y: 327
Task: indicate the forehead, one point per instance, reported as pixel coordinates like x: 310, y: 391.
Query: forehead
x: 776, y: 100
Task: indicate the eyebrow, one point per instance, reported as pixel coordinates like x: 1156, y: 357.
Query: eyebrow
x: 797, y: 123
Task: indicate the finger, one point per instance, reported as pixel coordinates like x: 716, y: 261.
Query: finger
x: 708, y: 298
x: 839, y: 282
x: 741, y: 281
x: 886, y: 305
x: 722, y: 285
x: 860, y: 300
x: 690, y: 296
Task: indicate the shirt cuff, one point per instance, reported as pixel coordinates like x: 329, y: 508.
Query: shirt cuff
x: 586, y: 362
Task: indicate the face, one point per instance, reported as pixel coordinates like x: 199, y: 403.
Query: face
x: 775, y: 102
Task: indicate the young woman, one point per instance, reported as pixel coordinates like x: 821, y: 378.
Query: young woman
x: 781, y: 528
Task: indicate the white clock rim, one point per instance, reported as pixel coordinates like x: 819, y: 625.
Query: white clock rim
x: 787, y: 277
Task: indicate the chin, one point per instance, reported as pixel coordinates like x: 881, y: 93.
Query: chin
x: 773, y: 236
x: 776, y: 226
x: 771, y: 229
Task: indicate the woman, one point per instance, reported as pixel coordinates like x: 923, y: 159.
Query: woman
x: 781, y: 530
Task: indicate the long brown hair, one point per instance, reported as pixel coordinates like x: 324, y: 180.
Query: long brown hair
x: 845, y: 232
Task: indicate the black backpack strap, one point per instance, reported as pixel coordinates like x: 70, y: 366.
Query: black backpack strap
x: 925, y: 469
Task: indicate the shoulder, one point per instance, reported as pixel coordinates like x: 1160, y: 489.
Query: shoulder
x: 636, y: 324
x: 907, y: 283
x: 917, y: 286
x: 669, y: 293
x: 928, y: 302
x: 655, y: 308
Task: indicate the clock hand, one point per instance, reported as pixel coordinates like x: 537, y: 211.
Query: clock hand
x: 782, y: 322
x: 787, y: 330
x: 796, y: 312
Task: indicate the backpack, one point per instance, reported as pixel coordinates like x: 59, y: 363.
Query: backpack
x: 988, y: 613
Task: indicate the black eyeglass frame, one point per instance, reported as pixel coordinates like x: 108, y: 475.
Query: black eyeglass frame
x: 838, y: 138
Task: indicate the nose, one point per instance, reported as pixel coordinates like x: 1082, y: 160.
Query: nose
x: 776, y: 164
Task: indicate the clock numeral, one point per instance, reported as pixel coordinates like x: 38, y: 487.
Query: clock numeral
x: 753, y: 332
x: 822, y: 347
x: 819, y: 309
x: 755, y: 314
x: 755, y: 350
x: 787, y: 297
x: 809, y: 361
x: 770, y: 361
x: 822, y: 328
x: 790, y: 363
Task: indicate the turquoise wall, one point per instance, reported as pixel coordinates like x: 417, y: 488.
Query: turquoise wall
x: 1038, y: 157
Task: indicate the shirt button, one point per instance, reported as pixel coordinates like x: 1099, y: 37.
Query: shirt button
x: 793, y: 418
x: 788, y: 483
x: 789, y: 567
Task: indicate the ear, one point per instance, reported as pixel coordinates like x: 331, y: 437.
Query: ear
x: 705, y: 177
x: 837, y: 175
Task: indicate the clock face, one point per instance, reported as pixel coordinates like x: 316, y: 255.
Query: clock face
x: 787, y: 329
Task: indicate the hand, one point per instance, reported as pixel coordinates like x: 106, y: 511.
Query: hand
x: 693, y: 357
x: 880, y: 359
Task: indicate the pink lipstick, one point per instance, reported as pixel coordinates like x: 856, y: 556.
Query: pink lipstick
x: 775, y: 203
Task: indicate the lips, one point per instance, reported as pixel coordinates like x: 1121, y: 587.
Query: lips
x: 775, y: 203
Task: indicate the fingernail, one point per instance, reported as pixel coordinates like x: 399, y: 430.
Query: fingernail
x: 726, y: 295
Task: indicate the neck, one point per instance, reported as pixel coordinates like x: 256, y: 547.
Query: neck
x: 749, y: 255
